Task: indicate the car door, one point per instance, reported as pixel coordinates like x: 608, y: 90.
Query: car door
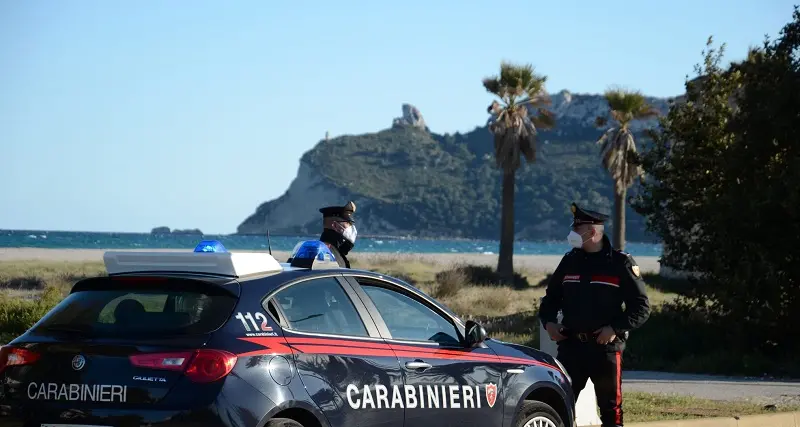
x: 340, y: 356
x: 454, y: 385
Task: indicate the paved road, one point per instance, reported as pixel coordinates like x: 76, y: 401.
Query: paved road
x: 758, y: 390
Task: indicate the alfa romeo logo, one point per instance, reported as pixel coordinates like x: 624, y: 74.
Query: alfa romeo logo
x: 78, y: 362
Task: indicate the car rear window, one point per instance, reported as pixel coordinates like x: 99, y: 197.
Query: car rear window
x: 164, y: 310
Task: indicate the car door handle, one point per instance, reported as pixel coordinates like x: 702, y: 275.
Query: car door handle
x: 417, y: 364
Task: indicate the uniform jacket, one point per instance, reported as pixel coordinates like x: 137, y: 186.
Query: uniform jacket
x: 341, y: 259
x: 590, y: 288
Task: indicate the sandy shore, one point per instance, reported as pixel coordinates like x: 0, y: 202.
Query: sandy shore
x: 544, y: 263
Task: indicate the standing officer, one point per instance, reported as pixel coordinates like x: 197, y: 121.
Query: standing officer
x: 339, y: 231
x: 589, y: 286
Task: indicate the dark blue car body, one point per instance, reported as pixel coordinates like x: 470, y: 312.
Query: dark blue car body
x: 301, y: 346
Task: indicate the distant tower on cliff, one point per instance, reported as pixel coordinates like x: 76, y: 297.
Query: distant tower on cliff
x: 326, y: 136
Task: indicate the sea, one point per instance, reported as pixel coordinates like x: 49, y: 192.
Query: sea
x: 110, y: 240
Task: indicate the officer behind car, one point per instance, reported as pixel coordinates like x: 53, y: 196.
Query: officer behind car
x: 339, y: 231
x: 589, y: 286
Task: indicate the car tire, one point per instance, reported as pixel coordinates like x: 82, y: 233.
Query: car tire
x: 282, y: 422
x: 534, y: 413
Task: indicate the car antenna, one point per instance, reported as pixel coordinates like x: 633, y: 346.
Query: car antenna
x: 269, y: 244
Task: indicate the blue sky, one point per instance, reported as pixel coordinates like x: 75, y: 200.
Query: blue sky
x: 122, y: 116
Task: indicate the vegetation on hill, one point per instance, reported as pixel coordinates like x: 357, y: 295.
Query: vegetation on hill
x: 429, y: 185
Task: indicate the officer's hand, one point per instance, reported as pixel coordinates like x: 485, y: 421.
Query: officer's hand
x: 606, y: 335
x: 554, y: 330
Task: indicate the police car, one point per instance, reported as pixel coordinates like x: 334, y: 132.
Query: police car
x: 215, y: 338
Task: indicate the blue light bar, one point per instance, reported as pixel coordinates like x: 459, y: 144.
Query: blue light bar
x: 313, y: 253
x: 313, y: 249
x: 214, y: 246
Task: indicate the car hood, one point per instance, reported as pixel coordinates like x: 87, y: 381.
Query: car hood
x: 503, y: 348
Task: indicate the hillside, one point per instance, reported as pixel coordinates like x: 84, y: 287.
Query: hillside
x: 408, y: 181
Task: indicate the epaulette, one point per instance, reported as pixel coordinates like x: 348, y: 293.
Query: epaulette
x: 623, y: 255
x: 632, y: 265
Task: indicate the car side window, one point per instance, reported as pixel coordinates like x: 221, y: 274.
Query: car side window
x: 409, y: 319
x: 320, y: 306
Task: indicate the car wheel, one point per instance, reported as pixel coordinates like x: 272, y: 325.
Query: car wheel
x: 538, y: 414
x: 282, y: 422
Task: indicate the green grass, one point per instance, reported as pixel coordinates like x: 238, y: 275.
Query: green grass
x: 645, y: 407
x: 26, y: 279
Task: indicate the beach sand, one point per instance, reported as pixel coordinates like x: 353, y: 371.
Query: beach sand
x: 543, y: 263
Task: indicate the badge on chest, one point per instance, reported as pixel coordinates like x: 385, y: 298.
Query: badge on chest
x: 599, y: 280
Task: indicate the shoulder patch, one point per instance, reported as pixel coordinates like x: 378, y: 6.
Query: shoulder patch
x: 630, y: 263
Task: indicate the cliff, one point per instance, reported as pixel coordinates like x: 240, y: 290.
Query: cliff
x: 408, y: 181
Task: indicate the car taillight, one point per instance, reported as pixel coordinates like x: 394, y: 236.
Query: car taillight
x: 210, y: 365
x: 170, y: 361
x: 202, y: 366
x: 15, y: 356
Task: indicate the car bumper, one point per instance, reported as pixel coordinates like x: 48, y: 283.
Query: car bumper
x: 63, y: 416
x: 237, y: 404
x: 234, y: 407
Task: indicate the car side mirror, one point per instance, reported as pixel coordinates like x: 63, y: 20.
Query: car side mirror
x: 475, y: 333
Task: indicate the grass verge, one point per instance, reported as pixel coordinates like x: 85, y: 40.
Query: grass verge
x: 645, y: 407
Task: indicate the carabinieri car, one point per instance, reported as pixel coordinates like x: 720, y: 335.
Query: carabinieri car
x: 216, y: 338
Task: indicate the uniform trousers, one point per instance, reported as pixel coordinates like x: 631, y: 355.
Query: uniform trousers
x: 601, y: 363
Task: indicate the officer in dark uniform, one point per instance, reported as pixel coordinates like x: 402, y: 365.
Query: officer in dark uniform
x: 339, y: 231
x: 589, y: 286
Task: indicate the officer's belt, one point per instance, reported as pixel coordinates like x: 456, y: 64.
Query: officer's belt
x: 581, y: 336
x: 585, y: 337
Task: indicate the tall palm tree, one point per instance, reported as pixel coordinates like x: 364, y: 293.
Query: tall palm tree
x: 521, y: 92
x: 618, y: 149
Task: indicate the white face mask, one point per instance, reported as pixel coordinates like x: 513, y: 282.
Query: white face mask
x: 575, y: 239
x: 350, y: 233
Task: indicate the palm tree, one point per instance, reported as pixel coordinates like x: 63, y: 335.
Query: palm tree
x: 618, y: 149
x: 521, y: 92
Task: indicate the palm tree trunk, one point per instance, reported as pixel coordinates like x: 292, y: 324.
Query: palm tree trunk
x: 505, y: 260
x: 619, y: 220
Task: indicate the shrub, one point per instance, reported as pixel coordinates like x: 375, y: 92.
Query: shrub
x: 480, y: 275
x: 18, y: 315
x: 680, y: 337
x: 23, y: 283
x: 449, y: 282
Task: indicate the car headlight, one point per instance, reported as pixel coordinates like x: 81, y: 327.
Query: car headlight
x: 563, y: 369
